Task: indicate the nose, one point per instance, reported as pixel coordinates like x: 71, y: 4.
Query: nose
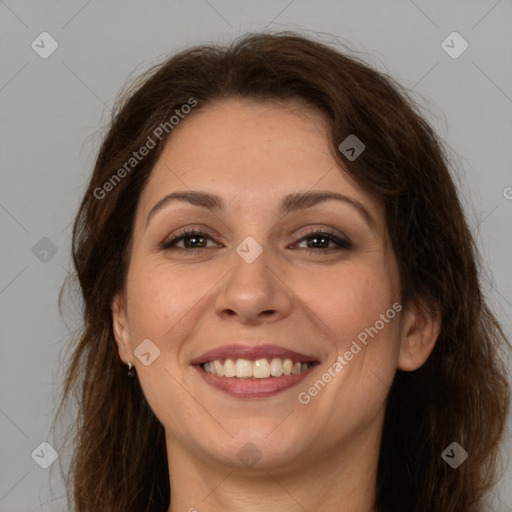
x: 255, y: 292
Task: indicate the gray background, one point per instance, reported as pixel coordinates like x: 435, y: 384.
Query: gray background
x: 52, y: 109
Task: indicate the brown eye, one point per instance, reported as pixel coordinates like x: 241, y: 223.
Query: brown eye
x: 192, y: 240
x: 317, y: 241
x: 320, y: 241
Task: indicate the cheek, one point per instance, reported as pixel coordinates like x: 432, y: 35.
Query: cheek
x: 156, y: 301
x: 351, y: 390
x: 161, y: 308
x: 166, y: 303
x: 342, y: 300
x: 348, y: 300
x: 356, y: 308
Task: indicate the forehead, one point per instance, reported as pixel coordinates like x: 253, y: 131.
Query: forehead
x: 251, y: 152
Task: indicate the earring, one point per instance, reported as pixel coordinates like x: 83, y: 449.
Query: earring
x: 131, y: 370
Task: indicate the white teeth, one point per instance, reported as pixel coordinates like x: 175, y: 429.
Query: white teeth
x: 243, y: 368
x: 296, y: 368
x: 276, y: 367
x: 259, y: 369
x: 219, y: 368
x: 229, y: 368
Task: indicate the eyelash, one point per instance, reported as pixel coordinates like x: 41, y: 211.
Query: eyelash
x: 342, y: 244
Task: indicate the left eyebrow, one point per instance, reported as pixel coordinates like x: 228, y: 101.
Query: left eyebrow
x: 290, y: 203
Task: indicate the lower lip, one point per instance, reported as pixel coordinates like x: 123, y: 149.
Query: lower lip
x: 252, y: 388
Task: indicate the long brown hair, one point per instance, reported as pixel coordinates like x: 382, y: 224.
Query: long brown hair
x: 460, y: 394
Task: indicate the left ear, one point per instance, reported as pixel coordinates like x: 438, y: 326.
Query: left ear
x: 120, y: 328
x: 420, y: 329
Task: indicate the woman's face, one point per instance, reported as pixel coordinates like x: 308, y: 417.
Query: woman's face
x: 254, y: 277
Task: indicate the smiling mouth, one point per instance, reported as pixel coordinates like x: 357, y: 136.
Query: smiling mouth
x: 263, y: 368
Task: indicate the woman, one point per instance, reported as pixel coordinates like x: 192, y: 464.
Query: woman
x: 273, y: 244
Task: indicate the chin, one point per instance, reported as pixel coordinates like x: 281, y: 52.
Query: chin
x: 257, y: 449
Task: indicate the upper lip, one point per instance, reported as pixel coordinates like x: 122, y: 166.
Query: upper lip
x: 252, y: 352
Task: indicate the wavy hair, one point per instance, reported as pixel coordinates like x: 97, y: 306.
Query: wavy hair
x: 461, y: 393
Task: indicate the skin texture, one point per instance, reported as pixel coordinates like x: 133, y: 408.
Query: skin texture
x: 318, y: 456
